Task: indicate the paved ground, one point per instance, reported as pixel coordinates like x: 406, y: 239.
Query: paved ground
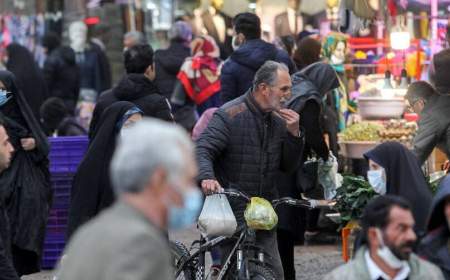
x: 312, y: 262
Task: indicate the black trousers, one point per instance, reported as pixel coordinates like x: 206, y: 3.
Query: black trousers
x: 286, y: 243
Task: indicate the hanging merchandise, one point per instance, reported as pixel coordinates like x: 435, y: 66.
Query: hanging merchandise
x: 366, y: 9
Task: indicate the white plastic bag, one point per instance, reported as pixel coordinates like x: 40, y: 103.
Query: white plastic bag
x: 217, y: 218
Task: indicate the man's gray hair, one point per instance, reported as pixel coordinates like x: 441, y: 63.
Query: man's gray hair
x: 137, y: 36
x: 268, y: 73
x: 148, y: 145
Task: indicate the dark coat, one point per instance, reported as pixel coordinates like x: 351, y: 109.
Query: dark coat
x: 404, y: 178
x: 95, y: 72
x: 91, y: 189
x: 26, y: 189
x: 167, y: 64
x: 138, y: 89
x: 244, y: 148
x: 434, y: 128
x: 309, y: 86
x: 238, y: 71
x: 62, y: 76
x: 435, y: 246
x: 29, y: 77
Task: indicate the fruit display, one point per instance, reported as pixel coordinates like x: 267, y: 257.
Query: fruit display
x: 399, y: 131
x: 361, y: 132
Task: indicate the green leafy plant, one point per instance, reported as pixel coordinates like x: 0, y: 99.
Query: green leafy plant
x: 352, y: 197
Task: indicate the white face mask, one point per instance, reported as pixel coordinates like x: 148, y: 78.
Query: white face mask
x: 377, y: 180
x: 336, y: 60
x: 386, y: 254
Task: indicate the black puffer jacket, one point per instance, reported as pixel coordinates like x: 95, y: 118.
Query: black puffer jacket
x: 138, y: 89
x: 245, y: 148
x: 167, y: 64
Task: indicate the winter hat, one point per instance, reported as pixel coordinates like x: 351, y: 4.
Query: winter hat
x: 181, y: 31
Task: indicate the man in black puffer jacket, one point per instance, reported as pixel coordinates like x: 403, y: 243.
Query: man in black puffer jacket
x: 136, y: 86
x: 248, y: 141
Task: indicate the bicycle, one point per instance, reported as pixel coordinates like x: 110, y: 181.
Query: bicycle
x: 245, y: 256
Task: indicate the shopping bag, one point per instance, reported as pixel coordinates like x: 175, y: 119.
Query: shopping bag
x: 260, y: 214
x: 329, y: 177
x: 217, y: 218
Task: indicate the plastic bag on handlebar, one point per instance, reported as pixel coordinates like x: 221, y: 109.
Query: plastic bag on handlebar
x: 217, y: 218
x: 329, y: 177
x: 260, y: 214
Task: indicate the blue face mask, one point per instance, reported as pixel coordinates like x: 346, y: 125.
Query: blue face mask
x: 186, y: 215
x: 377, y: 181
x: 4, y: 97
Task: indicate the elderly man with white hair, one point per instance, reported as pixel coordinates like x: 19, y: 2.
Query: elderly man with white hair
x: 152, y: 171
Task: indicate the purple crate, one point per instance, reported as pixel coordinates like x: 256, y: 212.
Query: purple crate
x: 66, y: 153
x: 49, y: 263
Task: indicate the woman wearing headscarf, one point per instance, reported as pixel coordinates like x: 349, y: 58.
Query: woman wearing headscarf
x: 199, y: 78
x: 30, y: 79
x: 393, y: 169
x: 91, y: 188
x: 25, y: 185
x: 309, y: 87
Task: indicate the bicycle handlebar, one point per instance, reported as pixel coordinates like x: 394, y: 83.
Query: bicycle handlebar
x: 284, y: 200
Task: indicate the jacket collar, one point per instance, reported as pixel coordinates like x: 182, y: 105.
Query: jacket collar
x: 254, y: 106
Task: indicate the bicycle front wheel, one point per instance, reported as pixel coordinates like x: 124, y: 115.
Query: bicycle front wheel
x: 180, y: 254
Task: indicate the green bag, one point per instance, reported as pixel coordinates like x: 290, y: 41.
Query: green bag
x: 260, y: 214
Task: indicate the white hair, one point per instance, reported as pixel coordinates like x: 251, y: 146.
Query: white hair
x: 148, y: 145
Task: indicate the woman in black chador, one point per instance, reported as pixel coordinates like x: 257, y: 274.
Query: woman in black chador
x: 91, y: 188
x: 25, y: 186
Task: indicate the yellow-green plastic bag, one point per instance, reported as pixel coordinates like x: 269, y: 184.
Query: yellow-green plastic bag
x: 260, y: 214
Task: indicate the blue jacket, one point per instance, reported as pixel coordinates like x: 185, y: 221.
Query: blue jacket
x: 240, y: 68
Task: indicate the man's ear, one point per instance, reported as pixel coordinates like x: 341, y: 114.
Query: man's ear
x: 373, y: 237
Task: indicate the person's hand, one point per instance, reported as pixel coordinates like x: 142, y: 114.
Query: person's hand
x: 211, y: 186
x: 292, y: 121
x: 28, y: 144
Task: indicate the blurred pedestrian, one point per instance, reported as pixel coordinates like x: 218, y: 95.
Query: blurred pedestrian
x: 435, y: 246
x: 307, y: 52
x: 61, y: 72
x: 168, y: 62
x: 26, y: 184
x: 29, y: 77
x: 434, y: 122
x: 57, y: 121
x: 388, y: 242
x: 153, y: 173
x: 249, y: 55
x: 286, y: 43
x: 199, y: 80
x: 395, y: 170
x: 7, y: 270
x: 91, y: 189
x: 247, y: 142
x: 137, y: 86
x: 133, y: 38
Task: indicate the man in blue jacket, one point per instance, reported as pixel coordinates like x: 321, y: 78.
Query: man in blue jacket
x: 250, y: 54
